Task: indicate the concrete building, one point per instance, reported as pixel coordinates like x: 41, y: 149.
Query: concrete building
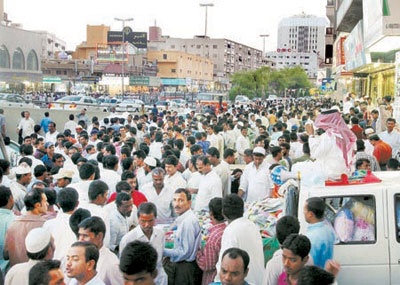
x: 20, y: 59
x: 182, y: 71
x: 52, y: 46
x: 301, y: 40
x: 228, y: 56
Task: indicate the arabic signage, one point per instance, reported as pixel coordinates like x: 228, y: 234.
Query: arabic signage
x: 138, y: 39
x: 111, y: 53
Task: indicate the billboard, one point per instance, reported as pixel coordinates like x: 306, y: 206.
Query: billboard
x: 138, y: 39
x: 111, y: 53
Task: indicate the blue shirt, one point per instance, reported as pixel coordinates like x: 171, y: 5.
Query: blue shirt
x: 187, y: 238
x: 322, y: 239
x: 44, y: 123
x: 6, y: 218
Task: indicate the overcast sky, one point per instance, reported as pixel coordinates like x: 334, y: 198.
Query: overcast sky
x: 237, y: 20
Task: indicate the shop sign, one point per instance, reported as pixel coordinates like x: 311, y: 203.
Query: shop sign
x: 173, y: 81
x: 139, y: 81
x: 154, y: 81
x: 111, y: 53
x: 381, y: 18
x: 354, y: 48
x: 51, y: 79
x: 138, y: 39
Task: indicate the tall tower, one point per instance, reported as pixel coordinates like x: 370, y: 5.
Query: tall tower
x: 155, y: 33
x: 303, y: 33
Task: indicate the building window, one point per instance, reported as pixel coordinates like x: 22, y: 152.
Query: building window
x: 65, y: 72
x: 215, y: 46
x: 18, y: 60
x: 58, y: 72
x: 198, y: 46
x: 164, y: 56
x: 173, y: 70
x: 172, y: 46
x: 4, y: 57
x: 32, y: 61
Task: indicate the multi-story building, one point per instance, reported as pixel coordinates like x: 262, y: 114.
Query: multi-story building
x: 183, y: 70
x: 51, y: 45
x: 301, y: 40
x: 228, y: 56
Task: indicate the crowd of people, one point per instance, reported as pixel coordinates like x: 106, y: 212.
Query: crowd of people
x: 84, y: 203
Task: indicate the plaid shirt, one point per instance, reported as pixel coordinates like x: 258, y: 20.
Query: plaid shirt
x: 207, y: 258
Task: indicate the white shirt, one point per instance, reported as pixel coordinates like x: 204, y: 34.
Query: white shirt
x: 155, y: 150
x: 83, y: 189
x: 242, y: 143
x: 111, y: 178
x: 175, y: 181
x: 94, y: 281
x: 162, y: 201
x: 119, y: 225
x: 224, y: 172
x: 51, y: 137
x: 108, y: 267
x: 157, y: 240
x: 256, y: 182
x: 273, y: 269
x: 27, y: 126
x: 96, y: 210
x: 62, y: 233
x: 244, y: 234
x: 210, y: 187
x: 70, y: 125
x: 392, y: 139
x: 19, y: 273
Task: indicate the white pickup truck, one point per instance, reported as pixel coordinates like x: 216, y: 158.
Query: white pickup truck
x: 367, y: 218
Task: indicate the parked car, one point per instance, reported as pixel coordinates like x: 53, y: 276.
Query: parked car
x: 162, y: 105
x: 179, y: 102
x: 242, y: 100
x: 15, y: 100
x: 74, y: 102
x: 130, y: 105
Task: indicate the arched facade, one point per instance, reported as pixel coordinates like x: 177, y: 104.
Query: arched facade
x: 32, y: 61
x: 4, y: 57
x: 18, y: 59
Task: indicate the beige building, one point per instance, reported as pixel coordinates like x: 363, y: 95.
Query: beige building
x: 94, y: 35
x: 176, y: 64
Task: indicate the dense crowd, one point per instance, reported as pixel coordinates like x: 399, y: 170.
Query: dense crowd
x: 117, y: 199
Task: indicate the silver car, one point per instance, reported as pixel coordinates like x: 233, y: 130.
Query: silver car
x: 15, y: 100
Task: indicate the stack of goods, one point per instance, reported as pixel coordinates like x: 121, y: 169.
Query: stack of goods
x: 265, y: 213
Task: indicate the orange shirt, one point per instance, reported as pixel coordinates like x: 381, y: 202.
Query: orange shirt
x: 382, y: 152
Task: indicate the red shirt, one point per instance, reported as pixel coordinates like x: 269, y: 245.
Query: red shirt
x: 138, y: 198
x: 382, y: 152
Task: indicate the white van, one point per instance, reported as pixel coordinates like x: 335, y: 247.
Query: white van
x: 369, y: 250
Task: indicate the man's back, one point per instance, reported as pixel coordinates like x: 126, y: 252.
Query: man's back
x: 244, y: 234
x: 322, y: 239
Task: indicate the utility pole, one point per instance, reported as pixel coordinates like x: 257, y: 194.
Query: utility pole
x: 123, y: 50
x: 206, y: 5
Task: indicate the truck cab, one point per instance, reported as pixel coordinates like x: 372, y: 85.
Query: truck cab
x: 366, y: 219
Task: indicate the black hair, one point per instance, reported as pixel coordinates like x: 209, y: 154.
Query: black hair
x: 76, y: 218
x: 213, y: 151
x: 312, y: 274
x: 91, y: 251
x: 234, y: 253
x: 137, y: 257
x: 298, y: 244
x: 317, y: 206
x: 5, y: 195
x: 285, y: 226
x: 39, y: 273
x: 122, y: 196
x: 94, y: 224
x: 51, y: 196
x: 122, y: 186
x: 32, y: 197
x: 96, y: 188
x: 215, y: 206
x: 68, y: 199
x: 232, y: 207
x: 86, y: 170
x: 147, y: 208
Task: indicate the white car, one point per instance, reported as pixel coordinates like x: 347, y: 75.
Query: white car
x: 15, y: 100
x: 74, y: 102
x: 130, y: 105
x: 242, y: 100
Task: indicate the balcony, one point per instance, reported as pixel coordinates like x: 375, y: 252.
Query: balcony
x: 348, y: 15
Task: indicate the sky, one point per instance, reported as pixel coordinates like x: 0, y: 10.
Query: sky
x: 237, y: 20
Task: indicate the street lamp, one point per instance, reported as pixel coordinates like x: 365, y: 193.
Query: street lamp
x: 264, y: 36
x: 206, y: 5
x: 123, y: 49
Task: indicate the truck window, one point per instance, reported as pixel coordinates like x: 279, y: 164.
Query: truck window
x: 353, y: 218
x: 397, y: 215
